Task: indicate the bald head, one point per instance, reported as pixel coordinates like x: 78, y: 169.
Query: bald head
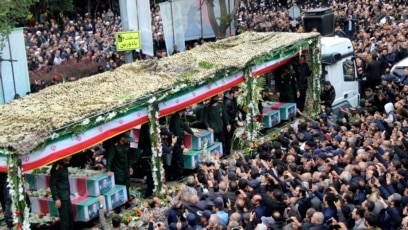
x: 235, y: 217
x: 317, y: 218
x: 193, y: 199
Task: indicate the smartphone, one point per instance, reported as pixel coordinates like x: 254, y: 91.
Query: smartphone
x: 235, y: 228
x: 285, y: 177
x: 288, y: 185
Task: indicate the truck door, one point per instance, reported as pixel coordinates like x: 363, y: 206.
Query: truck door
x: 342, y: 75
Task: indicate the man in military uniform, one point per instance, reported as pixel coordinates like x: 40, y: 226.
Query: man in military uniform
x: 60, y: 191
x: 118, y: 161
x: 177, y: 127
x: 328, y: 95
x: 215, y: 119
x: 302, y: 74
x: 286, y: 86
x: 231, y: 107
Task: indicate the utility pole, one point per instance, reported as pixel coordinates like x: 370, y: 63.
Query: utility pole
x: 125, y: 26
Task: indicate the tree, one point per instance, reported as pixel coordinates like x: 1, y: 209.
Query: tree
x: 225, y: 19
x: 11, y: 14
x: 60, y: 5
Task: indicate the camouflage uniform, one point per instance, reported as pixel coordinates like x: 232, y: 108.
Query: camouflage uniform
x: 187, y: 192
x: 161, y: 214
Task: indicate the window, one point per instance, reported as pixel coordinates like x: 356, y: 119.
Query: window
x: 348, y: 70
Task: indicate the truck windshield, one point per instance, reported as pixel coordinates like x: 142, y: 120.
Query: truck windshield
x: 348, y: 70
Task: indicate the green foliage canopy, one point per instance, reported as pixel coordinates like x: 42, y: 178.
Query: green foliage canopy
x: 11, y: 12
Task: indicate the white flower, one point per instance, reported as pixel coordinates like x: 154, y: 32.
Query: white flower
x: 86, y: 121
x: 111, y: 115
x: 151, y: 100
x: 124, y: 110
x: 54, y: 136
x: 99, y: 119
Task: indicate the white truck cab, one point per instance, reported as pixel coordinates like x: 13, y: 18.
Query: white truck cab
x: 338, y: 67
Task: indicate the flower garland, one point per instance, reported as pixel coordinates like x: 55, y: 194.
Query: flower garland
x: 15, y: 183
x: 204, y: 151
x: 317, y: 71
x: 248, y: 99
x: 156, y: 160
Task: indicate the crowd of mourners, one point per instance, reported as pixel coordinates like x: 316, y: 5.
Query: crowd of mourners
x: 377, y: 29
x: 339, y: 171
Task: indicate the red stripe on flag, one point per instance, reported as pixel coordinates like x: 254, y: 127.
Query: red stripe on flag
x: 278, y: 105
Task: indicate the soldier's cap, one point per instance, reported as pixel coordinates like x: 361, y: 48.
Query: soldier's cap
x: 329, y: 148
x: 337, y: 152
x: 127, y: 136
x: 320, y: 155
x: 96, y: 148
x: 191, y: 219
x: 306, y: 155
x: 338, y: 138
x: 219, y: 202
x: 206, y: 214
x: 266, y: 89
x: 165, y: 131
x: 210, y: 204
x: 214, y: 99
x: 317, y: 151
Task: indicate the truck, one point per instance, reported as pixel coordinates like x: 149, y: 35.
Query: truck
x: 171, y: 83
x: 338, y: 67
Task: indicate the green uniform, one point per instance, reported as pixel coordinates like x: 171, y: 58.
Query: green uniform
x: 59, y: 186
x: 287, y: 87
x: 216, y: 118
x: 177, y: 127
x: 118, y: 162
